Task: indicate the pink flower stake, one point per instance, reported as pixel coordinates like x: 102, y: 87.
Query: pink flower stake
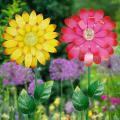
x: 90, y: 36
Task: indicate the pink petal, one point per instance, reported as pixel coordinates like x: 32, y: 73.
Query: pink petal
x: 99, y: 15
x: 70, y: 22
x: 69, y: 47
x: 101, y: 33
x: 111, y: 41
x: 98, y: 26
x: 91, y: 22
x: 82, y: 24
x: 78, y: 31
x: 108, y: 24
x: 84, y: 15
x: 101, y: 42
x: 81, y: 56
x: 74, y: 53
x: 110, y: 50
x: 79, y: 41
x: 97, y: 59
x: 91, y: 12
x: 68, y: 34
x: 88, y: 60
x: 94, y: 49
x: 104, y: 54
x: 76, y: 18
x: 84, y: 48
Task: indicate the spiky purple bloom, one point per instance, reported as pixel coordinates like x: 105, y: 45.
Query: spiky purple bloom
x: 110, y: 67
x: 62, y: 69
x: 32, y: 86
x: 69, y: 107
x: 14, y: 74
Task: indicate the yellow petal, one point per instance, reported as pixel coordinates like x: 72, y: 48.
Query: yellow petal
x: 33, y: 18
x: 20, y: 21
x: 33, y: 51
x: 39, y: 18
x: 20, y: 60
x: 51, y: 28
x: 38, y: 46
x: 21, y: 31
x: 10, y: 43
x: 25, y: 16
x: 9, y: 51
x: 20, y: 44
x: 46, y: 54
x: 40, y: 56
x: 13, y: 23
x: 50, y: 35
x: 49, y: 48
x: 19, y: 38
x: 16, y: 54
x: 7, y: 36
x: 44, y: 24
x: 12, y: 31
x: 28, y: 60
x: 40, y: 33
x: 26, y: 50
x: 34, y: 62
x: 52, y: 42
x: 35, y: 28
x: 28, y: 28
x: 41, y: 40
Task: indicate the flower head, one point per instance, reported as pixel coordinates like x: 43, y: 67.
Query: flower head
x: 51, y: 107
x: 32, y: 86
x: 57, y: 102
x: 69, y: 107
x: 90, y: 36
x: 110, y: 67
x: 30, y: 38
x: 104, y: 97
x: 14, y: 74
x: 62, y: 69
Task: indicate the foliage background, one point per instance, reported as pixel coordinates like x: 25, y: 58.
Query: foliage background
x: 58, y: 10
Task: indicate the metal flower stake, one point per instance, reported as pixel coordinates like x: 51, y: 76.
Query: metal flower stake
x: 30, y: 39
x: 90, y: 39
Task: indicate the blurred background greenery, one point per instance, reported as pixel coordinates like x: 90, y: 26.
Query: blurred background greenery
x: 58, y: 10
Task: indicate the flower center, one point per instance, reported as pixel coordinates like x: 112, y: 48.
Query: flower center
x: 88, y: 34
x: 30, y: 39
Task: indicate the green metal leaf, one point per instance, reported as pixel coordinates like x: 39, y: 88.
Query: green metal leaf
x: 26, y: 103
x: 43, y: 91
x: 96, y: 89
x: 79, y: 100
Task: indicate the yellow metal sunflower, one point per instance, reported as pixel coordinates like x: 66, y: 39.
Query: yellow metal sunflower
x: 30, y: 38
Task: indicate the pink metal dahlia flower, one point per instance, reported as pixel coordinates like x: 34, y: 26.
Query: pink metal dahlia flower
x: 90, y: 36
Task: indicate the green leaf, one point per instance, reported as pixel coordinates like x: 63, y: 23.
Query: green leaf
x: 43, y: 91
x: 79, y: 100
x: 26, y: 103
x: 96, y: 89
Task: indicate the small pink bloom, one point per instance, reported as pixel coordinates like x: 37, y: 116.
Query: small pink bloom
x: 104, y: 97
x: 90, y: 36
x: 115, y: 101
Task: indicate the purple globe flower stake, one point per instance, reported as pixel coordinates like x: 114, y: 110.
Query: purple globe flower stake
x: 63, y: 69
x: 13, y: 74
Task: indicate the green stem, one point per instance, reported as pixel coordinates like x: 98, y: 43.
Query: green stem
x: 61, y: 99
x: 89, y: 77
